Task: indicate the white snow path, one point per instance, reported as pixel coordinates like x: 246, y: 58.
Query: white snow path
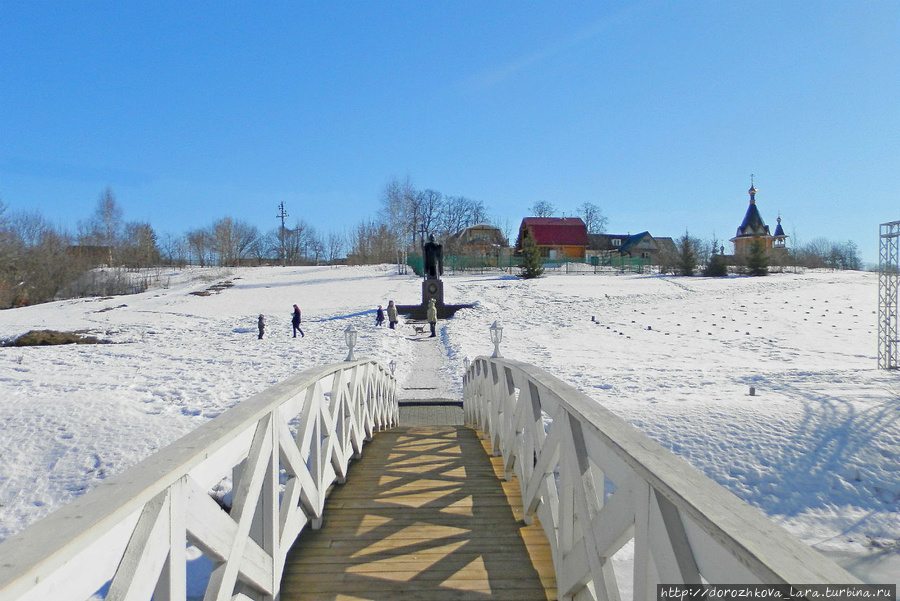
x: 427, y: 375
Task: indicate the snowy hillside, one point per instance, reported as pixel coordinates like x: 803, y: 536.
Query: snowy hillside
x: 817, y: 448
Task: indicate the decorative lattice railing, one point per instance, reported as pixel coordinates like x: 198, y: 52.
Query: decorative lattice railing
x: 596, y: 484
x: 278, y: 452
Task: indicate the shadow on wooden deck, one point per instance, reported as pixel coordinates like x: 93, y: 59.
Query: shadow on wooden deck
x: 425, y: 515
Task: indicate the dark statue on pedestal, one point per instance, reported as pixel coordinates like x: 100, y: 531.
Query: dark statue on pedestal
x: 432, y: 286
x: 433, y: 269
x: 433, y: 254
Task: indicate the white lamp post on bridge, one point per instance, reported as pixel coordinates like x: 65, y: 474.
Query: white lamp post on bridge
x: 496, y: 338
x: 350, y: 335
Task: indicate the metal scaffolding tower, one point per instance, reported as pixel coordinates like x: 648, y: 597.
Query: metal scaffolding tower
x: 888, y: 289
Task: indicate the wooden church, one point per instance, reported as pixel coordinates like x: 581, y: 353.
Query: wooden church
x: 753, y: 229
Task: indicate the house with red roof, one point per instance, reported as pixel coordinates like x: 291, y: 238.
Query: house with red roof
x: 558, y: 238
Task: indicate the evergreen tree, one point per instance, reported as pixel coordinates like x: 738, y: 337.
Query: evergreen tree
x: 687, y: 254
x: 758, y: 259
x: 532, y: 266
x: 716, y: 266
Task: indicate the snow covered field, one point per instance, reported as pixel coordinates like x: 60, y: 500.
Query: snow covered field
x: 817, y: 448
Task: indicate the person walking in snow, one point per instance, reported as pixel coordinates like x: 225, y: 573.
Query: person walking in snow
x: 261, y: 323
x: 431, y: 314
x: 295, y: 320
x: 379, y: 316
x: 392, y: 314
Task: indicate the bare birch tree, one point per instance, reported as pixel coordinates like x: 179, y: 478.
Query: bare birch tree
x: 593, y: 218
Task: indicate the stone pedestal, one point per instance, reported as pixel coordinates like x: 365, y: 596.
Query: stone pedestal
x: 432, y: 289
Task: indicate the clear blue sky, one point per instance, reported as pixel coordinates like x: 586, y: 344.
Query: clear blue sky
x: 656, y: 111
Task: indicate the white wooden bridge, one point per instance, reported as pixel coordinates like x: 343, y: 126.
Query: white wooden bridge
x: 531, y: 499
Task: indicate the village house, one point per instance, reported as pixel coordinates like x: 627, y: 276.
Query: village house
x: 481, y: 238
x: 557, y: 238
x: 634, y: 246
x: 483, y: 244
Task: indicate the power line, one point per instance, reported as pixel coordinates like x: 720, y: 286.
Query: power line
x: 281, y: 215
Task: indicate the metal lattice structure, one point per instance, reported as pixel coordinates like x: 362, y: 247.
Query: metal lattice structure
x: 888, y: 294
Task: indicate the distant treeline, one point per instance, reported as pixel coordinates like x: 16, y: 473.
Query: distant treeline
x: 40, y: 262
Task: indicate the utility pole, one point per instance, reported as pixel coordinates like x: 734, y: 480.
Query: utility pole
x: 281, y: 215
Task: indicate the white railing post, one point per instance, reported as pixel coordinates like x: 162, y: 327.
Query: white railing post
x: 686, y: 528
x: 131, y: 531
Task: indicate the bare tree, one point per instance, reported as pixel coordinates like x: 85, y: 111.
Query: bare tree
x: 34, y: 263
x: 317, y: 247
x: 233, y: 240
x: 593, y: 218
x: 542, y: 208
x: 105, y: 226
x: 297, y: 242
x: 372, y: 242
x: 821, y: 253
x: 400, y: 214
x: 334, y: 246
x: 431, y: 206
x: 461, y: 212
x: 477, y: 213
x: 138, y: 248
x: 173, y: 249
x: 200, y: 247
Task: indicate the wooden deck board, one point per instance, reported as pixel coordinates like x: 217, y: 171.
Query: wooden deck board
x: 423, y: 516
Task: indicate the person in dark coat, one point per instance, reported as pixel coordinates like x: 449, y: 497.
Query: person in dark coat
x: 392, y: 314
x: 261, y: 323
x: 379, y: 316
x: 295, y: 320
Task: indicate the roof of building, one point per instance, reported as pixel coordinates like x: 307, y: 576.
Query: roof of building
x: 557, y: 231
x: 753, y: 225
x: 481, y: 226
x: 632, y: 241
x: 779, y: 231
x: 605, y: 241
x: 666, y: 244
x: 480, y: 234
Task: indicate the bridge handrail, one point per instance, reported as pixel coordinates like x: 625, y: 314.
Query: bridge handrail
x: 132, y: 529
x: 686, y: 528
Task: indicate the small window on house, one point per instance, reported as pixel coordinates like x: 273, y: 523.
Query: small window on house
x: 616, y: 242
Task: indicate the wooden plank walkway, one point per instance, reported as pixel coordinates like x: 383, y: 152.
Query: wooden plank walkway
x: 425, y: 516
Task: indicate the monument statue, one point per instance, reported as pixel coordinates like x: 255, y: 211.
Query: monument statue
x: 434, y: 259
x: 432, y: 307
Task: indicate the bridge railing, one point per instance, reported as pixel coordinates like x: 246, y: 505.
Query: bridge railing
x: 596, y: 483
x: 280, y: 451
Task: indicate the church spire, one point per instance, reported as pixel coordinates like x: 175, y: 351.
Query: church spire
x: 752, y: 191
x: 779, y: 231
